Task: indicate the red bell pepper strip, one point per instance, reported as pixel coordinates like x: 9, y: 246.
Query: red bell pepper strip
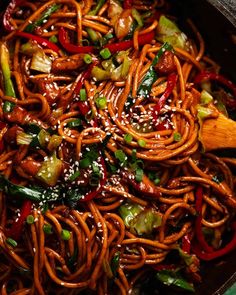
x: 17, y: 227
x: 215, y: 77
x: 218, y: 253
x: 221, y: 79
x: 41, y: 41
x: 63, y: 39
x: 128, y: 4
x: 171, y: 82
x: 124, y: 45
x: 85, y: 75
x: 83, y: 106
x: 198, y: 223
x: 8, y: 12
x: 165, y: 125
x: 186, y: 243
x: 91, y: 195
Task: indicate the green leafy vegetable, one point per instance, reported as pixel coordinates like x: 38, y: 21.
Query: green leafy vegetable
x: 8, y: 106
x: 74, y: 176
x: 97, y: 8
x: 121, y: 156
x: 154, y: 177
x: 30, y: 28
x: 72, y: 197
x: 173, y: 278
x: 139, y: 174
x: 187, y: 258
x: 115, y: 263
x: 151, y: 75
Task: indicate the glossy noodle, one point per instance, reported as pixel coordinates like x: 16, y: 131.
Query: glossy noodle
x: 104, y: 178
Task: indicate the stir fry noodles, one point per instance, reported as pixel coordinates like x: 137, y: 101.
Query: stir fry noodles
x: 107, y: 175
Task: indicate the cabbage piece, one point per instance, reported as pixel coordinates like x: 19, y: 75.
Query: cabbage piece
x: 50, y: 170
x: 140, y: 220
x: 169, y: 32
x: 41, y: 62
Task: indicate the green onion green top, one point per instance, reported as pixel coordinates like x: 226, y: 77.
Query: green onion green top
x: 11, y: 242
x: 105, y: 53
x: 30, y: 219
x: 47, y: 228
x: 128, y: 138
x: 142, y: 142
x: 87, y: 58
x: 65, y: 235
x: 83, y: 94
x: 101, y: 102
x: 177, y: 136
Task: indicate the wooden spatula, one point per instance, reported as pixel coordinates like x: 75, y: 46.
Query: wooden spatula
x: 218, y: 133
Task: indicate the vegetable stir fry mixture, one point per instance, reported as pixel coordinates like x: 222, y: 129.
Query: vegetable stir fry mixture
x: 106, y: 178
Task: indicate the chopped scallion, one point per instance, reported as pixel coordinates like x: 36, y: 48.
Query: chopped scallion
x: 30, y: 219
x: 87, y: 58
x: 85, y: 163
x: 139, y: 174
x: 109, y: 36
x: 74, y: 176
x: 95, y: 168
x: 53, y: 39
x: 105, y: 53
x: 75, y: 123
x: 23, y: 138
x: 47, y: 228
x: 101, y: 102
x: 11, y: 242
x: 8, y: 106
x: 177, y: 136
x: 82, y: 94
x: 65, y: 235
x: 120, y: 155
x: 128, y: 138
x: 142, y: 142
